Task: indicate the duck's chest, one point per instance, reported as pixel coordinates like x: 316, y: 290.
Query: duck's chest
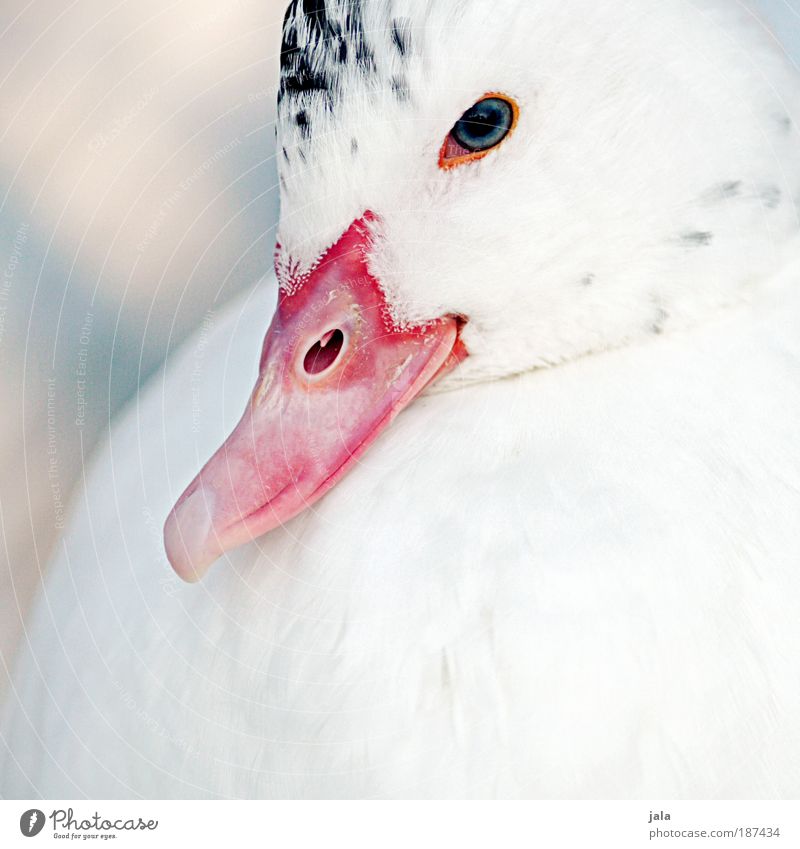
x: 513, y: 593
x: 582, y: 582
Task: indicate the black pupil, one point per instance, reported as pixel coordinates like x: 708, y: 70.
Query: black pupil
x: 484, y: 125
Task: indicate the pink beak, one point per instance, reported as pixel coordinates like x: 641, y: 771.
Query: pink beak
x: 335, y: 370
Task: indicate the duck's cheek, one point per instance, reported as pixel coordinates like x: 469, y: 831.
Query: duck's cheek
x: 334, y: 372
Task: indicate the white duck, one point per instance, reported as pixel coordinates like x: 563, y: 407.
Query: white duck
x: 571, y: 581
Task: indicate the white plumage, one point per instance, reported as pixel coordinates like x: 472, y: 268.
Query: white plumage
x: 579, y: 581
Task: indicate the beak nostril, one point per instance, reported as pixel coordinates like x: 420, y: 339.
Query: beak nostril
x: 324, y: 352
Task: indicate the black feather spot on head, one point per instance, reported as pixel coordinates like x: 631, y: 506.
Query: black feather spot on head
x: 587, y: 280
x: 353, y: 146
x: 352, y: 19
x: 302, y: 78
x: 334, y: 29
x: 696, y: 238
x: 289, y: 41
x: 315, y: 13
x: 365, y: 57
x: 285, y: 154
x: 301, y: 119
x: 401, y: 35
x: 341, y: 53
x: 400, y: 88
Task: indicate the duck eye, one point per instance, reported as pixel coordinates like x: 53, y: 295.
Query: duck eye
x: 480, y: 129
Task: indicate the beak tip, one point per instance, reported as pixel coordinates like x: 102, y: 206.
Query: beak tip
x: 189, y: 536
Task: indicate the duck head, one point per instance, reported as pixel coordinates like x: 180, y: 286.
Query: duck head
x: 468, y: 193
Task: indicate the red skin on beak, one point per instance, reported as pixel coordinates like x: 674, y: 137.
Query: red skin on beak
x: 335, y: 370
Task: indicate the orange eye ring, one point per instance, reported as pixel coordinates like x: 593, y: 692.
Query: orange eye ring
x: 452, y: 153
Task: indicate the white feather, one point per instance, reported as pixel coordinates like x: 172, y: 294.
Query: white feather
x: 578, y: 581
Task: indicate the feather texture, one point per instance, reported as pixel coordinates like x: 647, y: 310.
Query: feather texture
x: 577, y: 581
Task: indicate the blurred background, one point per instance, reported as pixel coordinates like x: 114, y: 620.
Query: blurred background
x: 137, y: 195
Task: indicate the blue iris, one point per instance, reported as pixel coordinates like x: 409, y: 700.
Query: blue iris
x: 484, y: 125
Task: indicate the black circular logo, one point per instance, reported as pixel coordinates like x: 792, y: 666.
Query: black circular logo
x: 31, y: 822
